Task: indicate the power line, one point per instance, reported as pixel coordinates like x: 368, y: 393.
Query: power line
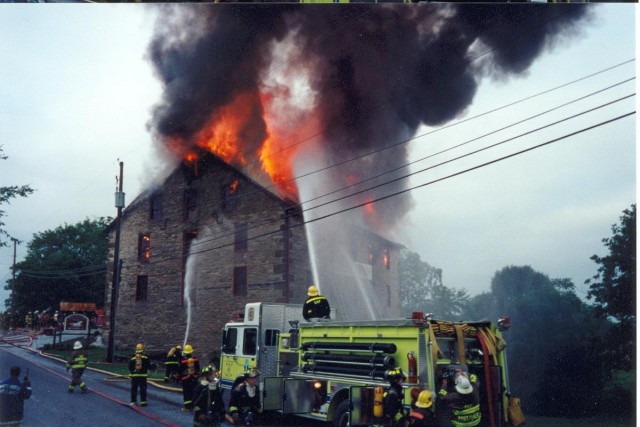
x: 431, y: 182
x: 402, y: 142
x: 215, y: 237
x: 413, y: 188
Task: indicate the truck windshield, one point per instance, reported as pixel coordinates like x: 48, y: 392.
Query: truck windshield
x: 230, y: 340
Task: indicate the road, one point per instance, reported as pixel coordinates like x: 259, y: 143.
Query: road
x: 105, y: 404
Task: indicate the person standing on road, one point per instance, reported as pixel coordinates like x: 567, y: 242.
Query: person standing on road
x: 208, y: 406
x: 138, y: 371
x: 77, y: 363
x: 171, y: 365
x: 13, y: 393
x: 393, y: 398
x: 244, y: 403
x: 189, y: 371
x: 461, y: 406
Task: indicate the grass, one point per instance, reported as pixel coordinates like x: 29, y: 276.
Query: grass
x: 97, y: 360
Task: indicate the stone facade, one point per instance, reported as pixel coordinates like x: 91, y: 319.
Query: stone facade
x: 213, y: 235
x: 241, y: 247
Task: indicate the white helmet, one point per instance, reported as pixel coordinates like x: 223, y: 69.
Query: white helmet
x: 463, y: 385
x: 77, y: 345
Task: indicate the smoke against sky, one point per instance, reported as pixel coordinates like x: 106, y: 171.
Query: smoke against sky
x: 80, y: 93
x: 374, y: 75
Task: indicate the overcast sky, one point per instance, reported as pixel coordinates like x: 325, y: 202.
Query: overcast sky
x: 77, y: 91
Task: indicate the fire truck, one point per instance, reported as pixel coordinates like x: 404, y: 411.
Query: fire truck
x: 334, y: 371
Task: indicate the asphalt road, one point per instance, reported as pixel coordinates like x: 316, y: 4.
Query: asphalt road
x: 105, y: 404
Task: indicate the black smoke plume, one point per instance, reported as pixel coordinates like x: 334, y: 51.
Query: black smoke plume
x: 379, y: 71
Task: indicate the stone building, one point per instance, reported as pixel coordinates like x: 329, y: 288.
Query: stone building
x: 209, y: 240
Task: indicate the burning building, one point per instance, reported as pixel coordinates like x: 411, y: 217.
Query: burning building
x: 209, y: 240
x: 309, y: 110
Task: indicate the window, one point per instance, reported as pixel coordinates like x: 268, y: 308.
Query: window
x: 141, y: 288
x: 230, y: 195
x: 386, y: 259
x: 190, y: 203
x: 240, y: 282
x: 271, y: 337
x: 241, y: 236
x: 250, y: 342
x: 144, y: 247
x: 155, y: 206
x: 230, y: 340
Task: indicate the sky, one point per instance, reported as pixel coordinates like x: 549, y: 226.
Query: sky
x: 77, y: 92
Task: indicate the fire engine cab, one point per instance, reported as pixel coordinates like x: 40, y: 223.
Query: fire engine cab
x: 333, y: 371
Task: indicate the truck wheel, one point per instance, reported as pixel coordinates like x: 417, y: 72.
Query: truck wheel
x: 342, y: 414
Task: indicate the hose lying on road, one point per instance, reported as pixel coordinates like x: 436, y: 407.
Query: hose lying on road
x: 99, y: 393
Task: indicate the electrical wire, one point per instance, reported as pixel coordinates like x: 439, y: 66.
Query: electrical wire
x: 415, y: 137
x: 215, y: 237
x: 359, y: 205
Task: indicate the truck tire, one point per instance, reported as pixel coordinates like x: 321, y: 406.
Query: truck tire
x: 342, y: 414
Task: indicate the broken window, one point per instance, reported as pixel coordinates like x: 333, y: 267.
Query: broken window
x: 230, y: 195
x: 190, y: 203
x: 155, y: 206
x: 240, y: 282
x: 141, y: 288
x: 240, y: 239
x: 144, y: 247
x: 387, y: 259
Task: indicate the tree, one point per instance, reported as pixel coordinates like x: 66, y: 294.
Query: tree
x: 548, y: 322
x: 6, y: 194
x: 422, y: 290
x: 613, y: 288
x: 65, y: 264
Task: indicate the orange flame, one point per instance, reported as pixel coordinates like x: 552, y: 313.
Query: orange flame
x: 249, y: 130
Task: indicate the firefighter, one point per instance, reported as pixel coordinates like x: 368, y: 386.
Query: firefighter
x: 171, y: 364
x: 77, y: 363
x: 208, y: 406
x: 244, y: 403
x: 462, y: 404
x: 28, y: 321
x: 392, y: 400
x: 189, y: 371
x: 316, y: 306
x: 422, y: 415
x: 138, y: 371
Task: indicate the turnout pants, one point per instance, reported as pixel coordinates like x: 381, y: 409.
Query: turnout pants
x: 139, y: 383
x: 188, y: 387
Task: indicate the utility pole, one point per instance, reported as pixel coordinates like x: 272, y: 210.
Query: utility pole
x: 117, y: 264
x: 13, y: 277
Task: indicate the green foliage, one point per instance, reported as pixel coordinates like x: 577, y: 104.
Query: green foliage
x: 550, y: 338
x: 422, y: 290
x: 613, y: 289
x: 65, y: 264
x: 6, y: 194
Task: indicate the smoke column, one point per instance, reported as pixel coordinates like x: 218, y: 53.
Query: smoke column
x: 344, y: 80
x: 376, y: 73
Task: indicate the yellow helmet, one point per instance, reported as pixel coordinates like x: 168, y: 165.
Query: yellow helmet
x: 424, y: 399
x: 187, y: 349
x: 139, y: 348
x: 312, y: 291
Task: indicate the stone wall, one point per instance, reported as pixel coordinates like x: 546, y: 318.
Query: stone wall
x: 201, y: 208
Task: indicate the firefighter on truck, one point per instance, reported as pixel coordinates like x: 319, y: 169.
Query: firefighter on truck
x: 370, y: 372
